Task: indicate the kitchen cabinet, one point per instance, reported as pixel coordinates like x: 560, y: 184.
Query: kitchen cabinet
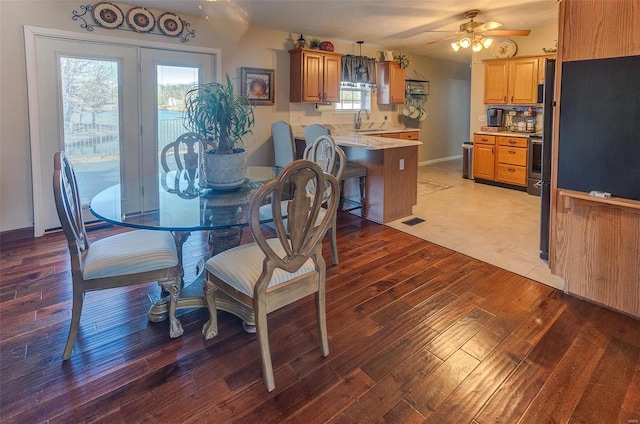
x: 511, y: 81
x: 314, y: 76
x: 390, y: 81
x: 511, y: 165
x: 405, y: 135
x: 484, y: 157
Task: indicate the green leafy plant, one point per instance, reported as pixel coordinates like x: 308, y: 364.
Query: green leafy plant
x: 404, y: 60
x: 314, y: 43
x: 214, y: 111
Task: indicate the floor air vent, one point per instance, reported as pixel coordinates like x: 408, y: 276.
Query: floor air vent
x: 413, y: 221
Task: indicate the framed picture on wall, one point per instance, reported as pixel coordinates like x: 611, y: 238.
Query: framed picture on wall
x: 258, y: 85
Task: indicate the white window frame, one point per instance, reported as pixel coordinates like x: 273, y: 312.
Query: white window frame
x: 365, y: 102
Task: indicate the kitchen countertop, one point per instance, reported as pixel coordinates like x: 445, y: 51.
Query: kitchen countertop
x: 508, y: 133
x: 367, y: 138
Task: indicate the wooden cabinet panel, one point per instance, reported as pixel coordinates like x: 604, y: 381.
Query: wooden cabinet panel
x: 511, y: 174
x: 496, y: 82
x: 412, y: 135
x: 484, y: 161
x: 512, y: 155
x: 390, y: 135
x: 390, y: 81
x: 314, y: 76
x: 484, y: 139
x: 511, y: 81
x: 523, y: 81
x: 513, y: 141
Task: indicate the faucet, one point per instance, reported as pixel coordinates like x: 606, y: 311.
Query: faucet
x: 358, y: 120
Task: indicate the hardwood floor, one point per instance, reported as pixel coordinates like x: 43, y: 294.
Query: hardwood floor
x: 418, y: 333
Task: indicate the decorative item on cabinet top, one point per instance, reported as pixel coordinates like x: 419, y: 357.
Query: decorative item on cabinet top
x: 139, y: 19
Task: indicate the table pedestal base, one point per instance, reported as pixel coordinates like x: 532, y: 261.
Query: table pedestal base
x: 192, y: 297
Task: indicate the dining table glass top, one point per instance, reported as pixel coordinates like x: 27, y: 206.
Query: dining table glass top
x: 174, y: 201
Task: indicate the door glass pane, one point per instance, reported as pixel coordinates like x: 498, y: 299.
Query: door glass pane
x: 90, y: 105
x: 173, y: 83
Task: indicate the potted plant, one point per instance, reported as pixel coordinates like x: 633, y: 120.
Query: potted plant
x: 315, y: 43
x: 214, y: 111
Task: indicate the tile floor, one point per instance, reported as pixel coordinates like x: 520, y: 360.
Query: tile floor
x: 493, y: 224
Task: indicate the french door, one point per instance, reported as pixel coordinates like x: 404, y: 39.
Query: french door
x: 112, y: 108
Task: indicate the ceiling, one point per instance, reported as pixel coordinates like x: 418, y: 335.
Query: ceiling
x: 392, y: 24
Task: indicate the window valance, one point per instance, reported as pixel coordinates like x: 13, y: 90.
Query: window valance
x: 358, y: 69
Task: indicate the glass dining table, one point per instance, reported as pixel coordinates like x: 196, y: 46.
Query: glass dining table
x: 175, y: 202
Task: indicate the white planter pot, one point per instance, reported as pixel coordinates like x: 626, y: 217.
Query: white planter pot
x: 224, y: 171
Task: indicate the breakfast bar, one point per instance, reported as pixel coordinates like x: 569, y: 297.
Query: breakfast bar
x: 391, y: 159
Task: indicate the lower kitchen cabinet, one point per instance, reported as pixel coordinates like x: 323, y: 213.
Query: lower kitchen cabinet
x: 500, y: 158
x: 511, y: 166
x: 484, y: 162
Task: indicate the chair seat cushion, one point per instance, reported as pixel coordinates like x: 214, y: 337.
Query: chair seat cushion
x: 264, y: 214
x: 241, y: 266
x: 130, y: 253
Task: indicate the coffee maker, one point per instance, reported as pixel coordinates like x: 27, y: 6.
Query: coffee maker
x: 494, y: 117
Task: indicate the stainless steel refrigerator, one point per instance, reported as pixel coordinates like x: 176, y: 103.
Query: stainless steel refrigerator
x: 548, y: 103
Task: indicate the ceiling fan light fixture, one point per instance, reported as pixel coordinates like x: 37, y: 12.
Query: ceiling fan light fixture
x: 486, y: 42
x: 455, y: 46
x: 476, y: 46
x: 465, y: 42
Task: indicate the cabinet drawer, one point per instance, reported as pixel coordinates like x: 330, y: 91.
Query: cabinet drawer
x: 390, y: 135
x: 512, y: 174
x: 412, y: 135
x: 512, y: 141
x: 512, y: 155
x: 484, y: 139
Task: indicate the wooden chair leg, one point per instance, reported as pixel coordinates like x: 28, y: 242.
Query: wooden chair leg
x: 173, y: 288
x: 76, y: 311
x: 265, y: 352
x: 322, y: 320
x: 333, y: 242
x: 210, y: 328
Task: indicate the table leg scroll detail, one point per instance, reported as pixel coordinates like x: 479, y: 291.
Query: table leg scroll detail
x: 173, y: 288
x: 210, y: 328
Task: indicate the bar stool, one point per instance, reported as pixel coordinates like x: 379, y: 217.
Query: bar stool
x: 352, y: 170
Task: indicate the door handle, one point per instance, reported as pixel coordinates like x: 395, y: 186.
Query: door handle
x: 538, y: 184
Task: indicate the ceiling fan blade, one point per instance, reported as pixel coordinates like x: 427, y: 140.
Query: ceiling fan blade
x: 444, y: 39
x: 512, y: 32
x: 488, y: 26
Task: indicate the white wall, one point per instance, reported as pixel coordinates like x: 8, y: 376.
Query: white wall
x: 240, y: 46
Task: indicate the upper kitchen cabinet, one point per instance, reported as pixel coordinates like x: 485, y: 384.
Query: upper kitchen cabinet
x: 390, y: 81
x: 315, y: 76
x: 512, y: 81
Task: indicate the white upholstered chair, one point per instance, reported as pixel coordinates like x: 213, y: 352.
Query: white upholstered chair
x: 331, y: 159
x: 351, y: 170
x: 271, y: 273
x: 284, y: 146
x: 125, y: 259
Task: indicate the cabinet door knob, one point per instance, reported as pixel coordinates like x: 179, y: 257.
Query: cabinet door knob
x: 511, y: 152
x: 512, y: 142
x: 511, y: 170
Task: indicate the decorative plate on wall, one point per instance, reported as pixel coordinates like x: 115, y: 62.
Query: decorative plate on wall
x: 140, y: 19
x: 505, y: 48
x: 170, y: 24
x: 107, y: 15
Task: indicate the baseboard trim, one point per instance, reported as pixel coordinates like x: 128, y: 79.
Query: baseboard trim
x: 447, y: 159
x: 15, y: 235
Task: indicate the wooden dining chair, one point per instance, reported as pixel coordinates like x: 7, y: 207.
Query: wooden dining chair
x: 284, y: 146
x: 121, y: 260
x: 271, y: 273
x: 331, y: 159
x: 351, y: 170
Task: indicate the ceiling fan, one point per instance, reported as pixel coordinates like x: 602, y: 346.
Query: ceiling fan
x: 474, y: 33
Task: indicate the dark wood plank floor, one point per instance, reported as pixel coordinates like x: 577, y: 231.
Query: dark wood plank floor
x: 418, y: 333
